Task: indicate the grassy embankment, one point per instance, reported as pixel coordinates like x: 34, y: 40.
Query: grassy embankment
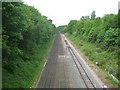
x: 107, y: 60
x: 27, y: 74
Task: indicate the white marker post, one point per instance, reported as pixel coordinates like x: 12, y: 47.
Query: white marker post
x: 97, y: 65
x: 104, y: 87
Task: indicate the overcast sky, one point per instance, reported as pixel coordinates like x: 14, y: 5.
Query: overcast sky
x: 62, y: 11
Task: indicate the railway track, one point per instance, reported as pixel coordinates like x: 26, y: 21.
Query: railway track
x: 64, y: 69
x: 85, y: 77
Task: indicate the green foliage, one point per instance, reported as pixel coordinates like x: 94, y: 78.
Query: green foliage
x: 28, y: 71
x: 111, y: 37
x: 102, y: 31
x: 72, y: 26
x: 62, y: 28
x: 24, y: 31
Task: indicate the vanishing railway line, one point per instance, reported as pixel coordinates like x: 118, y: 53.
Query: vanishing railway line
x: 87, y: 81
x: 64, y: 69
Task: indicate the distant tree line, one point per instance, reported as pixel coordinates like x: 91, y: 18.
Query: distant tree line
x: 24, y: 29
x: 100, y: 30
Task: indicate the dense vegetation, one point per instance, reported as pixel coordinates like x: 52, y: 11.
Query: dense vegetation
x: 26, y: 38
x: 98, y: 38
x: 103, y: 31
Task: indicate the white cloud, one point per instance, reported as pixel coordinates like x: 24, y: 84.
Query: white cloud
x: 62, y: 11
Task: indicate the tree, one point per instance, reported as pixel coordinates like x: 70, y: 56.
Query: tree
x: 93, y: 15
x: 24, y: 29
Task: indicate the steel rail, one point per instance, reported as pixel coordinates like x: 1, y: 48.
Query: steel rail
x: 76, y: 58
